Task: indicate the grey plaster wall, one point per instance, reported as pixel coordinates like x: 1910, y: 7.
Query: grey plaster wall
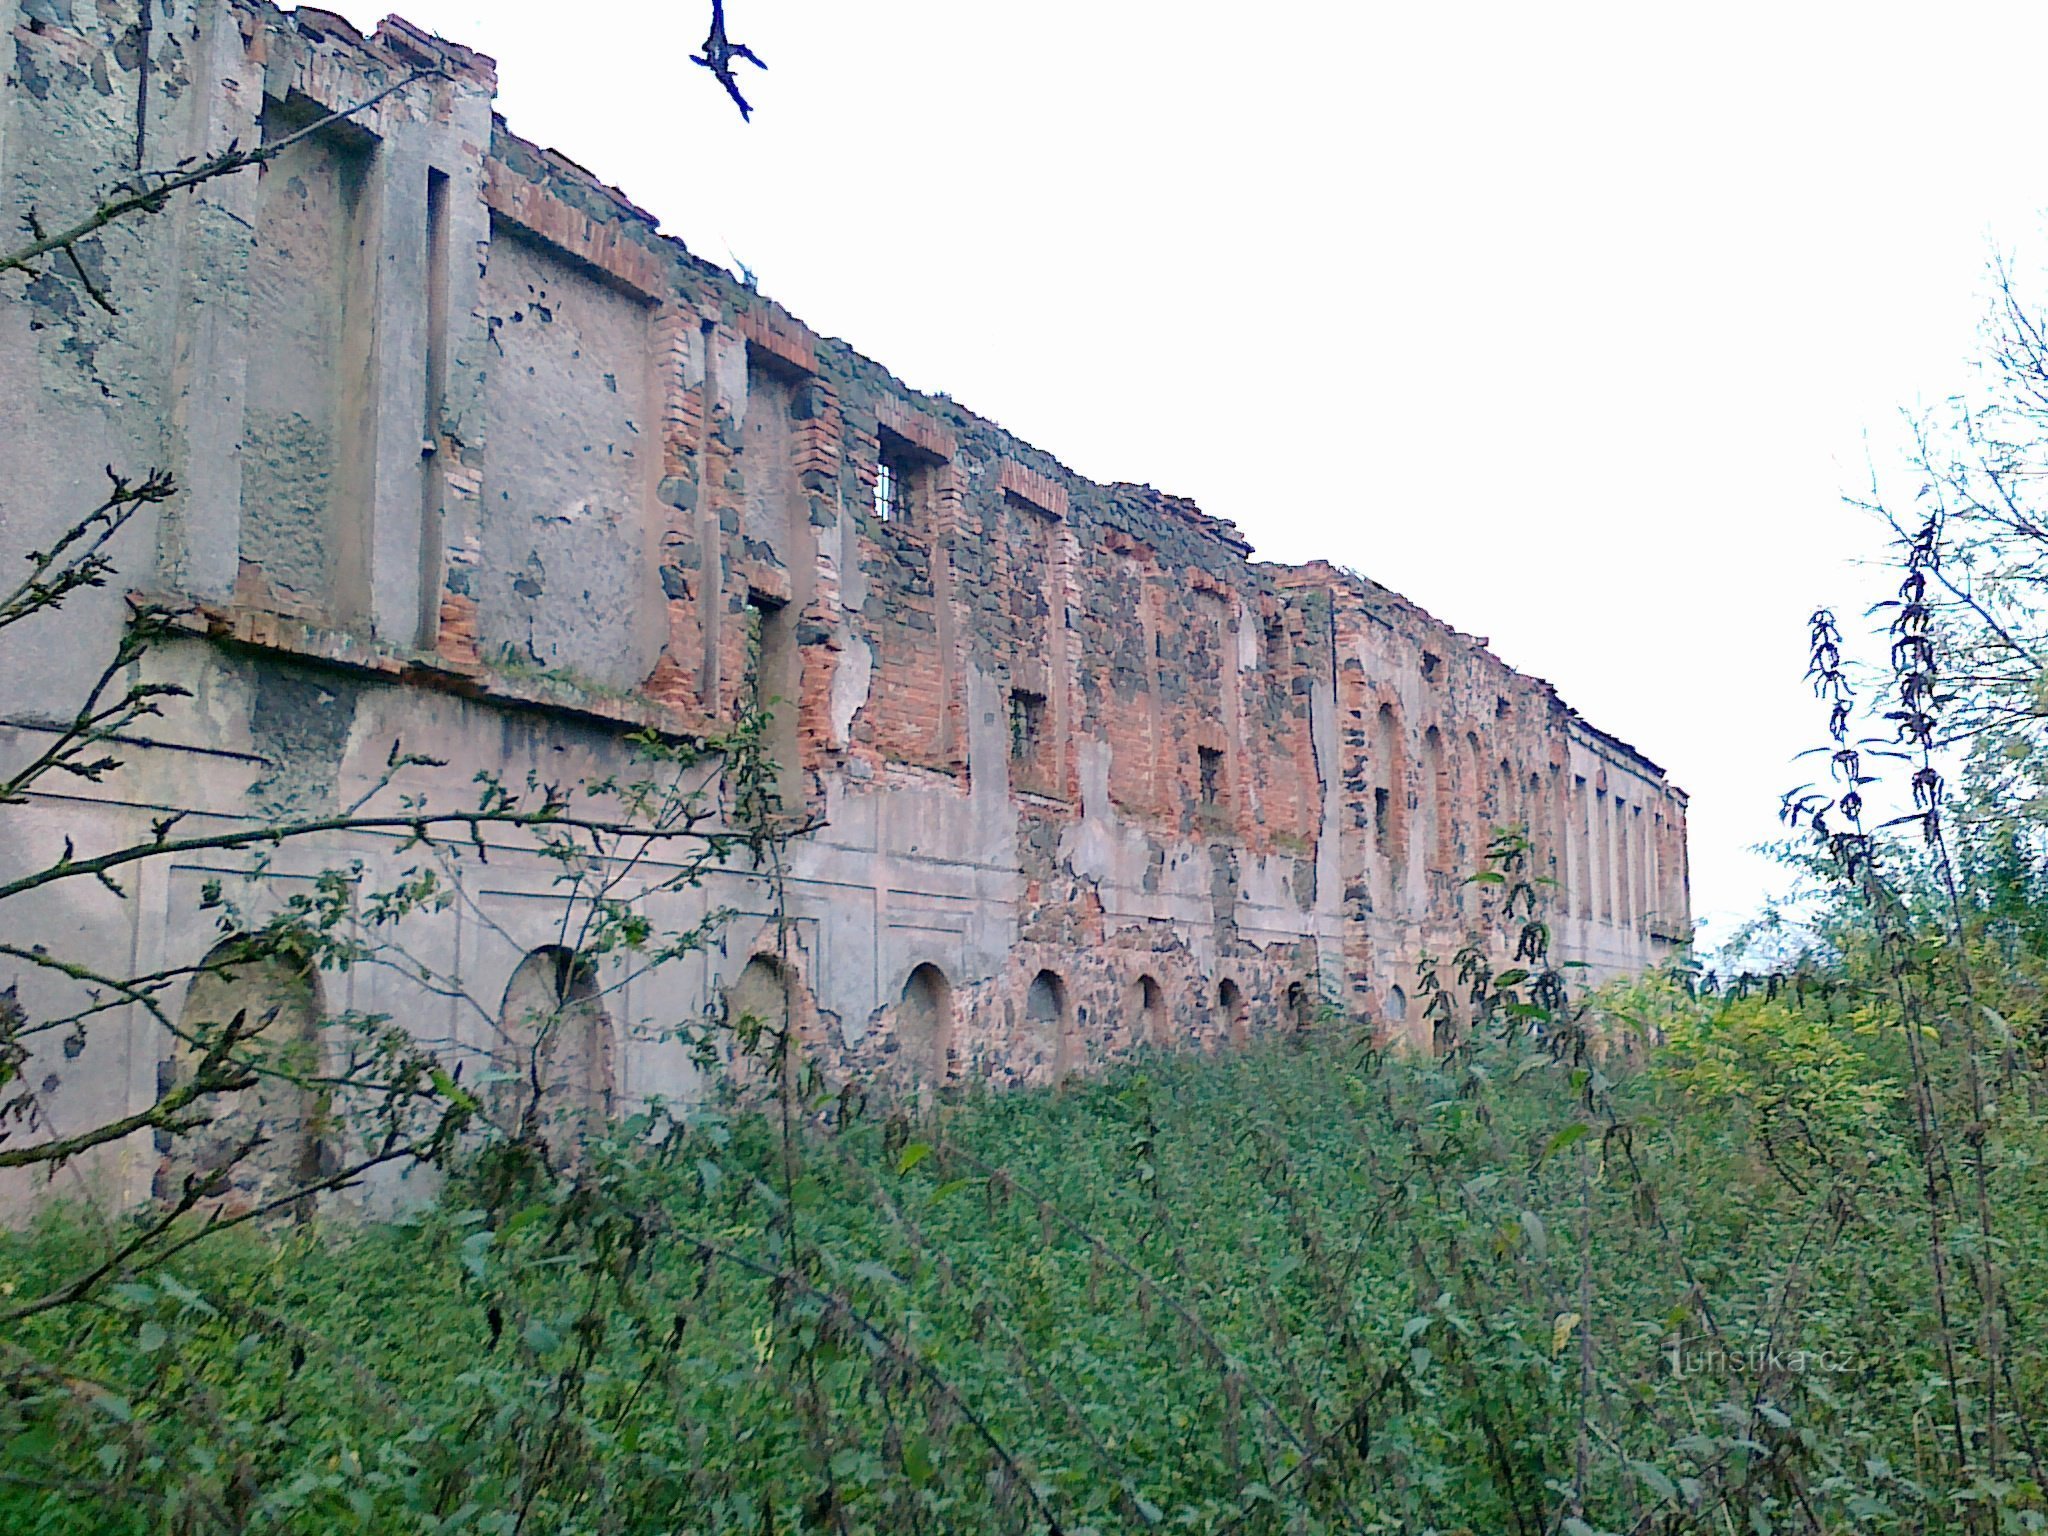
x: 572, y: 457
x: 302, y: 490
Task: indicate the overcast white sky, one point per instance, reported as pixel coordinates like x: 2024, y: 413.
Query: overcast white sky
x: 1568, y: 320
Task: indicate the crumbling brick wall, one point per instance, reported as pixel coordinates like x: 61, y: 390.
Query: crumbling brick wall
x: 1091, y: 777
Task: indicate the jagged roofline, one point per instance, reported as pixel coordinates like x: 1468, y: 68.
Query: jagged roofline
x: 400, y: 43
x: 1338, y: 578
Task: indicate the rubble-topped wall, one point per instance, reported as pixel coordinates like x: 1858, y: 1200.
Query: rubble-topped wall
x: 473, y: 454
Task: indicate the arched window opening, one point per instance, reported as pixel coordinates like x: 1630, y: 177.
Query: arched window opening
x: 1436, y: 821
x: 1145, y: 1005
x: 553, y: 1059
x: 1475, y: 825
x: 924, y: 1024
x: 274, y: 1008
x: 1235, y: 1012
x: 1389, y: 799
x: 1045, y: 1012
x: 1302, y: 1006
x: 1397, y: 1006
x: 757, y: 1017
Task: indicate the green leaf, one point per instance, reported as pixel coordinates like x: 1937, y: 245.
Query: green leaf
x: 876, y: 1274
x: 1539, y: 1237
x: 184, y: 1295
x: 913, y: 1154
x: 115, y: 1408
x: 540, y: 1338
x: 1574, y: 1132
x: 453, y: 1091
x: 1655, y: 1481
x: 917, y: 1460
x: 475, y: 1252
x: 151, y: 1337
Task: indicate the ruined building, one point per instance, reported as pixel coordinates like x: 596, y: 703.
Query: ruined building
x: 473, y: 456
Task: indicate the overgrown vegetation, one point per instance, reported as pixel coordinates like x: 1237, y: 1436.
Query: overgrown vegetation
x: 1308, y: 1287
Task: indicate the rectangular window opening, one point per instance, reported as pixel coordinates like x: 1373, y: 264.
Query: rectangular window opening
x: 1027, y: 729
x: 1212, y: 776
x: 435, y: 396
x: 888, y: 493
x: 1382, y: 806
x: 1602, y: 840
x: 772, y: 684
x: 1582, y: 823
x: 900, y: 479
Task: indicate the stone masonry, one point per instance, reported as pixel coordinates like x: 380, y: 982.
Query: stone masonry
x: 474, y: 456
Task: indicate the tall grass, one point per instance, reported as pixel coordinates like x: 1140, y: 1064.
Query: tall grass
x: 1303, y: 1288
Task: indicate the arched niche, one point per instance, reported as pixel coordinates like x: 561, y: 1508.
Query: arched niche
x: 1302, y: 1005
x: 1390, y: 802
x: 1436, y: 820
x: 1147, y: 1002
x: 924, y: 1024
x: 1397, y: 1006
x: 1046, y: 1019
x: 1476, y: 821
x: 274, y: 1007
x: 757, y: 1016
x: 1235, y: 1011
x: 552, y: 1059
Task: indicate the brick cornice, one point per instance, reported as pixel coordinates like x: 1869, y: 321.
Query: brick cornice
x: 610, y: 248
x: 1032, y: 488
x: 915, y: 427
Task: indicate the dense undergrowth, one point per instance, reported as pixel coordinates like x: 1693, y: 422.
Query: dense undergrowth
x: 1309, y: 1287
